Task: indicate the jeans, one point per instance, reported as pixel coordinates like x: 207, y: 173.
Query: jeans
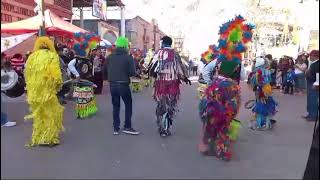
x: 312, y: 101
x: 4, y: 118
x: 284, y: 79
x: 121, y: 90
x: 300, y: 82
x: 98, y: 80
x: 273, y: 79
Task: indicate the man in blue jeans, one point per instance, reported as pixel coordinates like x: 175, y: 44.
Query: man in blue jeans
x: 119, y: 68
x: 312, y: 93
x: 4, y: 118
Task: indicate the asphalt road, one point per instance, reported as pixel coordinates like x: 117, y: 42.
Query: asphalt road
x: 89, y: 149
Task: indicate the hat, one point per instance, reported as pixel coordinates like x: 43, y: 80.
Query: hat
x: 259, y: 62
x: 122, y: 42
x: 314, y: 53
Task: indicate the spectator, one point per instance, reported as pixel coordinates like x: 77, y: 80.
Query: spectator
x: 119, y: 68
x: 4, y: 118
x: 17, y: 63
x: 289, y: 85
x: 65, y: 54
x: 98, y: 61
x: 269, y: 60
x: 284, y: 65
x: 312, y: 94
x: 300, y: 69
x: 273, y: 70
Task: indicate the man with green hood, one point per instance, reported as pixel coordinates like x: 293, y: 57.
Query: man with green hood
x: 119, y: 68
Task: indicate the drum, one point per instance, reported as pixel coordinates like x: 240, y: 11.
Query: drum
x: 84, y: 67
x: 85, y: 101
x: 12, y: 84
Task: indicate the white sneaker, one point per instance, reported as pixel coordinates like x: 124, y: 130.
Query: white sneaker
x: 9, y: 124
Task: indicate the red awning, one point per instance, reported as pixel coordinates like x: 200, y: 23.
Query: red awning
x: 54, y: 25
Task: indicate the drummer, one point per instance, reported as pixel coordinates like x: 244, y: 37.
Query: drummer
x: 81, y: 68
x: 64, y: 70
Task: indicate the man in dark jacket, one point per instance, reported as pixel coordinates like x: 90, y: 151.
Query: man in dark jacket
x: 312, y: 94
x: 119, y: 68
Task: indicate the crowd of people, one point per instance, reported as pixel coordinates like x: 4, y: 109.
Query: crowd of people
x: 49, y: 66
x: 288, y: 74
x: 297, y: 77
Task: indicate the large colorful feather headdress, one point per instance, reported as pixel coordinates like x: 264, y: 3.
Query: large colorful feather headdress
x: 234, y: 35
x: 209, y: 55
x: 85, y: 42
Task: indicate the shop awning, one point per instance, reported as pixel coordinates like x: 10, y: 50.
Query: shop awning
x: 54, y: 25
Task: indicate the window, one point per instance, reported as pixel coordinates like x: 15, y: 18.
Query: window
x: 6, y: 18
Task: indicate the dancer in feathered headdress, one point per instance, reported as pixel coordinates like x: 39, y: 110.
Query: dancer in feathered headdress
x: 234, y: 35
x: 265, y: 105
x: 82, y: 69
x: 219, y: 93
x: 43, y: 81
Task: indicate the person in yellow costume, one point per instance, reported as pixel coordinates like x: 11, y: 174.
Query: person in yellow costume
x: 43, y: 80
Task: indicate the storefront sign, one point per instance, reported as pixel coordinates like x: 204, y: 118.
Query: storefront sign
x: 99, y: 9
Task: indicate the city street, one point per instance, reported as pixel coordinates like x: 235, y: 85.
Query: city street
x: 90, y: 150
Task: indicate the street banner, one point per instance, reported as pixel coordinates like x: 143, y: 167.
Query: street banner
x: 12, y: 41
x: 99, y: 9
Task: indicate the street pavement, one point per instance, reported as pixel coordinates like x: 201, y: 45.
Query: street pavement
x: 90, y: 150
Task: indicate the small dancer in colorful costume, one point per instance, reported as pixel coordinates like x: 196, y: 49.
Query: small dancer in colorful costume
x: 265, y: 105
x: 82, y: 68
x: 169, y: 70
x: 43, y: 81
x: 220, y: 95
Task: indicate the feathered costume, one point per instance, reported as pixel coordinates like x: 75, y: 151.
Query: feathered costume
x: 169, y: 70
x: 220, y: 100
x: 43, y: 81
x: 219, y: 104
x: 83, y: 91
x: 265, y: 105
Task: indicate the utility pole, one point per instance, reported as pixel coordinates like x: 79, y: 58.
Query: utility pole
x: 81, y: 18
x: 123, y: 22
x: 39, y: 9
x: 154, y: 33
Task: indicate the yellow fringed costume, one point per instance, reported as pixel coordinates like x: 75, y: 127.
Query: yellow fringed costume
x: 43, y: 80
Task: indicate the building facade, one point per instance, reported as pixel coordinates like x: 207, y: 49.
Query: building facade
x: 141, y: 33
x: 103, y: 29
x: 178, y: 44
x: 16, y: 10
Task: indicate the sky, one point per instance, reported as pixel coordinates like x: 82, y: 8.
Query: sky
x: 199, y: 20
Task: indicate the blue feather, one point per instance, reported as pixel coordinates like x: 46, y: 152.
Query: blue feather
x: 251, y: 26
x: 247, y: 35
x: 240, y: 48
x: 222, y: 57
x: 222, y: 43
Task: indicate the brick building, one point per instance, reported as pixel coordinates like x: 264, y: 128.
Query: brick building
x: 16, y: 10
x: 141, y: 33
